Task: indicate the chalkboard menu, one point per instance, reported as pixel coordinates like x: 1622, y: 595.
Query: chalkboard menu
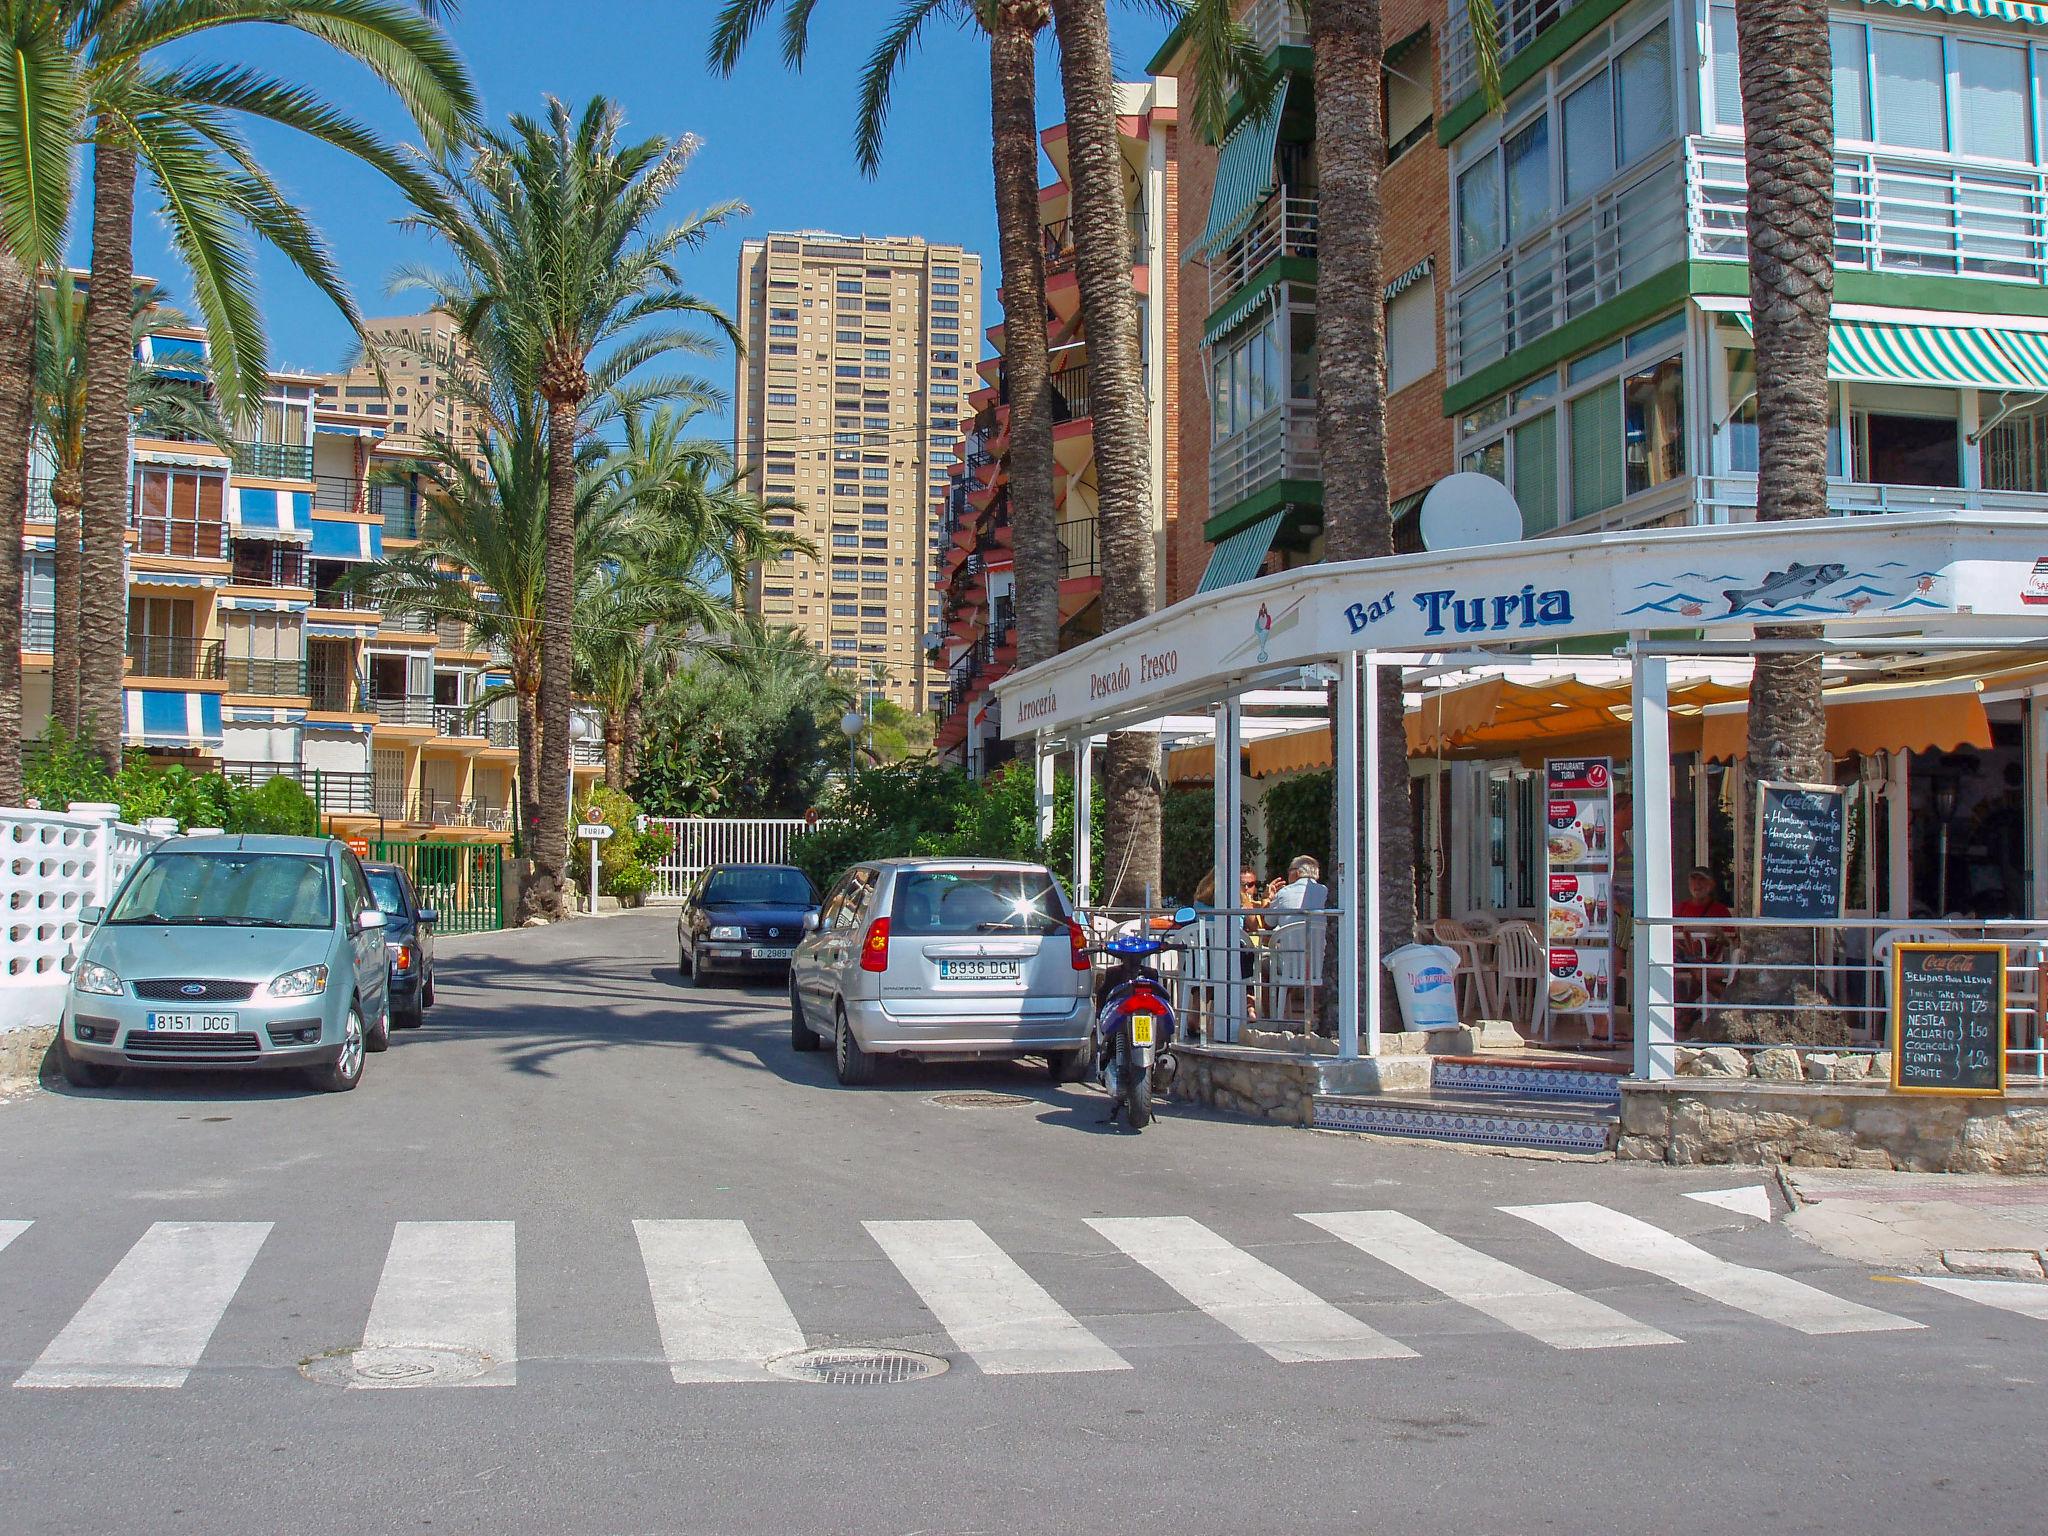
x: 1948, y: 1018
x: 1799, y: 851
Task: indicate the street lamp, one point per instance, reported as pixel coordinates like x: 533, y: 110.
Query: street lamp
x: 852, y: 723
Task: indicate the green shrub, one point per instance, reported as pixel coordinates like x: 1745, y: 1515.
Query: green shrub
x: 1298, y: 816
x: 625, y: 860
x: 1187, y: 841
x: 60, y: 771
x: 280, y: 805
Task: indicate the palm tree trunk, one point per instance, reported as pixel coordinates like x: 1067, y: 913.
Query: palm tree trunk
x: 629, y: 744
x: 529, y: 757
x: 1013, y: 105
x: 1787, y: 105
x: 66, y: 491
x: 17, y: 417
x: 1351, y: 391
x: 614, y: 749
x: 103, y: 518
x: 1123, y: 457
x: 543, y: 895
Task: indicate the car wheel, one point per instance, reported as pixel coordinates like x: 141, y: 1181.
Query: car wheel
x: 426, y: 1000
x: 407, y: 1018
x: 378, y: 1037
x: 683, y: 960
x: 84, y: 1074
x: 1075, y: 1066
x: 347, y: 1068
x: 801, y: 1036
x: 700, y: 974
x: 855, y: 1066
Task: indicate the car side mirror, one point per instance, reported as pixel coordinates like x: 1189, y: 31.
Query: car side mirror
x: 369, y: 919
x: 89, y: 917
x: 810, y: 922
x: 428, y: 916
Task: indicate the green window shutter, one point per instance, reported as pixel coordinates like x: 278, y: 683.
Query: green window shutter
x: 1596, y: 450
x: 1536, y: 472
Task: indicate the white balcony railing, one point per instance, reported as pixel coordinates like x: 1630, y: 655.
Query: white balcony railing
x: 1732, y: 499
x: 1893, y: 213
x: 1280, y: 445
x: 1276, y: 24
x: 1618, y: 238
x: 1520, y: 22
x: 1285, y: 225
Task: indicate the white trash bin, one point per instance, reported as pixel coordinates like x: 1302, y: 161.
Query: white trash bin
x: 1426, y: 977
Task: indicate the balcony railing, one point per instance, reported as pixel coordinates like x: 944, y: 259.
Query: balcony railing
x: 1080, y: 548
x: 1520, y: 23
x: 1615, y: 240
x: 38, y: 629
x: 446, y: 811
x: 1732, y: 499
x: 1276, y: 23
x: 259, y: 564
x: 1893, y: 213
x: 1285, y: 225
x: 337, y: 493
x: 41, y: 509
x: 401, y: 517
x: 337, y: 794
x: 274, y: 461
x: 182, y: 538
x: 333, y: 693
x: 1280, y: 445
x: 174, y: 656
x: 270, y: 677
x: 586, y: 754
x: 346, y: 599
x: 1072, y: 390
x: 405, y: 709
x: 1058, y: 240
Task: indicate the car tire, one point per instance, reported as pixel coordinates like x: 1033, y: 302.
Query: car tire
x: 700, y: 974
x: 408, y: 1018
x: 346, y: 1070
x: 801, y: 1036
x: 426, y: 1001
x: 683, y: 965
x: 1075, y: 1066
x: 856, y: 1068
x: 84, y: 1074
x: 378, y: 1037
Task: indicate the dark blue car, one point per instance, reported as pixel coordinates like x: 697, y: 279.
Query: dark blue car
x: 743, y: 917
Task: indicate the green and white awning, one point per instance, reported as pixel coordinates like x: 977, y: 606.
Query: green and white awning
x: 1245, y: 174
x: 1240, y: 555
x: 1950, y: 356
x: 1986, y: 10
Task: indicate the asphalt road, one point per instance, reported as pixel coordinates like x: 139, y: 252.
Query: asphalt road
x: 1121, y: 1377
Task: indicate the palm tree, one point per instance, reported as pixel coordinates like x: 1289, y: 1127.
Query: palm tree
x: 42, y: 102
x: 1012, y: 27
x: 167, y: 403
x: 551, y: 223
x: 178, y: 120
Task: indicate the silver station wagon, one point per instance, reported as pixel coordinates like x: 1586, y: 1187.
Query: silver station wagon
x: 943, y: 960
x: 232, y: 952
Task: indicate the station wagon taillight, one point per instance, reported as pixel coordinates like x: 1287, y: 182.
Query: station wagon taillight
x: 1077, y: 940
x: 874, y: 949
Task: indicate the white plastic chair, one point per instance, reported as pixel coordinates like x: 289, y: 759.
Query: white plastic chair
x: 1294, y: 963
x: 1523, y: 977
x: 1475, y: 986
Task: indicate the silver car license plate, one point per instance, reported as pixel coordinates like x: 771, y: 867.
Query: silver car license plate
x: 194, y: 1023
x: 980, y: 970
x: 774, y: 954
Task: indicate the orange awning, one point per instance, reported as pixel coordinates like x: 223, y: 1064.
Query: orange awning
x: 1498, y: 718
x: 1931, y: 722
x: 1296, y: 753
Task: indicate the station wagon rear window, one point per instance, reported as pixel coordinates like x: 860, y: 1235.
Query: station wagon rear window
x: 228, y: 889
x: 956, y: 901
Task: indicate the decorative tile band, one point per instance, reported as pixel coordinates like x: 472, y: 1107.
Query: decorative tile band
x: 1480, y: 1125
x: 1524, y: 1081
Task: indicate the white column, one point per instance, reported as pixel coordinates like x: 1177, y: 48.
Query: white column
x: 1651, y: 989
x: 1084, y: 818
x: 2037, y: 805
x: 1227, y: 839
x: 1358, y: 939
x: 1898, y: 894
x: 1045, y: 765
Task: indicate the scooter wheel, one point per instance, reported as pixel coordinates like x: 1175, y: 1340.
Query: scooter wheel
x: 1138, y: 1100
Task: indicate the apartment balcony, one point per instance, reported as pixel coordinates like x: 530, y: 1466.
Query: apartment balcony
x: 444, y: 811
x: 587, y: 754
x: 1520, y: 23
x: 408, y: 711
x: 1280, y: 445
x: 274, y: 461
x: 259, y: 564
x: 38, y: 630
x: 337, y: 794
x: 265, y: 677
x: 334, y: 694
x: 1285, y: 225
x: 337, y: 493
x: 1080, y: 548
x: 401, y: 517
x: 341, y: 599
x: 1276, y: 24
x: 180, y: 538
x: 1058, y: 241
x: 177, y: 657
x: 41, y: 509
x: 1732, y: 499
x: 1072, y: 393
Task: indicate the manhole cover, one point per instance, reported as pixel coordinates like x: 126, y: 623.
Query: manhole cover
x: 980, y: 1100
x: 857, y: 1367
x: 426, y: 1365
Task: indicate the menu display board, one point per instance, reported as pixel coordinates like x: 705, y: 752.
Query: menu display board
x: 1800, y: 846
x: 1578, y: 914
x: 1948, y: 1018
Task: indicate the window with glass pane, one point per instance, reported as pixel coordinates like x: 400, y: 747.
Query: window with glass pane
x: 1643, y: 115
x: 1596, y: 449
x: 1528, y: 179
x: 1847, y: 44
x: 1588, y: 138
x: 1535, y: 482
x: 1301, y: 352
x: 1741, y: 428
x: 1489, y: 460
x: 1653, y: 420
x: 1726, y: 98
x: 1912, y: 110
x: 1991, y: 101
x: 1479, y: 212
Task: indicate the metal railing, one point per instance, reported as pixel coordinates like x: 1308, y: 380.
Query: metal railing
x: 38, y: 629
x: 1080, y: 548
x: 271, y: 677
x: 180, y: 537
x: 1837, y: 991
x: 1251, y: 977
x: 1280, y: 445
x: 1284, y: 225
x: 1057, y: 238
x: 41, y: 507
x: 587, y: 754
x: 1275, y: 23
x: 1621, y: 236
x: 401, y: 517
x: 1520, y: 23
x: 174, y: 656
x: 1927, y: 214
x: 260, y: 564
x: 1732, y: 499
x: 337, y: 493
x: 274, y: 461
x: 338, y: 794
x: 406, y: 709
x: 696, y: 843
x: 335, y: 597
x: 1071, y: 393
x: 333, y: 692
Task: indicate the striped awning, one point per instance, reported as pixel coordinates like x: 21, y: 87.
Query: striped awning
x: 338, y: 539
x: 1987, y: 10
x: 1952, y: 356
x: 1245, y: 173
x: 159, y: 717
x: 264, y: 604
x: 341, y: 629
x: 1239, y: 556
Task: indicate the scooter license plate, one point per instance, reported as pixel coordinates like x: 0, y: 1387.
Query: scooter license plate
x: 1141, y: 1029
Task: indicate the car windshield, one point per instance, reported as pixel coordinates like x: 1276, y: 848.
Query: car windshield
x: 760, y: 887
x: 385, y: 887
x: 228, y: 889
x: 939, y: 901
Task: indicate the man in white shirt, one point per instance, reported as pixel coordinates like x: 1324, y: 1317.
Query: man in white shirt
x: 1303, y: 890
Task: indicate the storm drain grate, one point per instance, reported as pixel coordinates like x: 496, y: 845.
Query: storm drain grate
x: 857, y: 1367
x: 980, y: 1100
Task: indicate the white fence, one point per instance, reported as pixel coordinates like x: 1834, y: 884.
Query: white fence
x: 52, y: 863
x: 695, y: 843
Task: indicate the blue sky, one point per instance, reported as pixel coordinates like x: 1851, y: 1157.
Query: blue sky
x: 778, y: 142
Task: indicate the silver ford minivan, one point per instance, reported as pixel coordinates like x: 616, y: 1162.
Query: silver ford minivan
x: 943, y: 960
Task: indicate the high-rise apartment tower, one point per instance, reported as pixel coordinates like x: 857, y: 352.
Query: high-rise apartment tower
x: 859, y: 355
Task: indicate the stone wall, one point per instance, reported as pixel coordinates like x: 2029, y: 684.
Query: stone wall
x: 22, y: 1052
x: 1241, y: 1082
x: 1831, y: 1124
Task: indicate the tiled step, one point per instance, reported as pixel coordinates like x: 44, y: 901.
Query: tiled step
x: 1526, y: 1077
x: 1487, y: 1118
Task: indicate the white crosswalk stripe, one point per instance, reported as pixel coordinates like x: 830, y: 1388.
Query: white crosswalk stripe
x: 1560, y: 1318
x: 982, y: 1297
x: 449, y: 1285
x: 2029, y: 1298
x: 1245, y: 1294
x: 10, y: 1230
x: 1634, y: 1244
x: 149, y: 1321
x: 719, y: 1310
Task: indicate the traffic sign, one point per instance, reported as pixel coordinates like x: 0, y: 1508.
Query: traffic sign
x: 596, y: 831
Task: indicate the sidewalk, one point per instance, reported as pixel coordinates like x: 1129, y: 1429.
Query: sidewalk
x: 1942, y: 1223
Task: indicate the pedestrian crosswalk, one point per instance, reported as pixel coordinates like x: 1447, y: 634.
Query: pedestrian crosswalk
x: 1570, y: 1276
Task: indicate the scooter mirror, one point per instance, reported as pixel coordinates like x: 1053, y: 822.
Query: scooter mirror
x: 1183, y: 917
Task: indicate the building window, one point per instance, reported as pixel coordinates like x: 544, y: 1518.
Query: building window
x: 1411, y: 334
x: 1406, y: 101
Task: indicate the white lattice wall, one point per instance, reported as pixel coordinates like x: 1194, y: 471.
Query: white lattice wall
x: 52, y: 863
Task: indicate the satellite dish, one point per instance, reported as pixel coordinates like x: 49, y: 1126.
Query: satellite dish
x: 1469, y: 508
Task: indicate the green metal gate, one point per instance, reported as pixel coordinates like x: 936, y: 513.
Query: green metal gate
x: 463, y: 882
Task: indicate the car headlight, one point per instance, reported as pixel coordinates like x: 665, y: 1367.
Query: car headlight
x: 306, y: 981
x: 728, y: 931
x: 94, y: 977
